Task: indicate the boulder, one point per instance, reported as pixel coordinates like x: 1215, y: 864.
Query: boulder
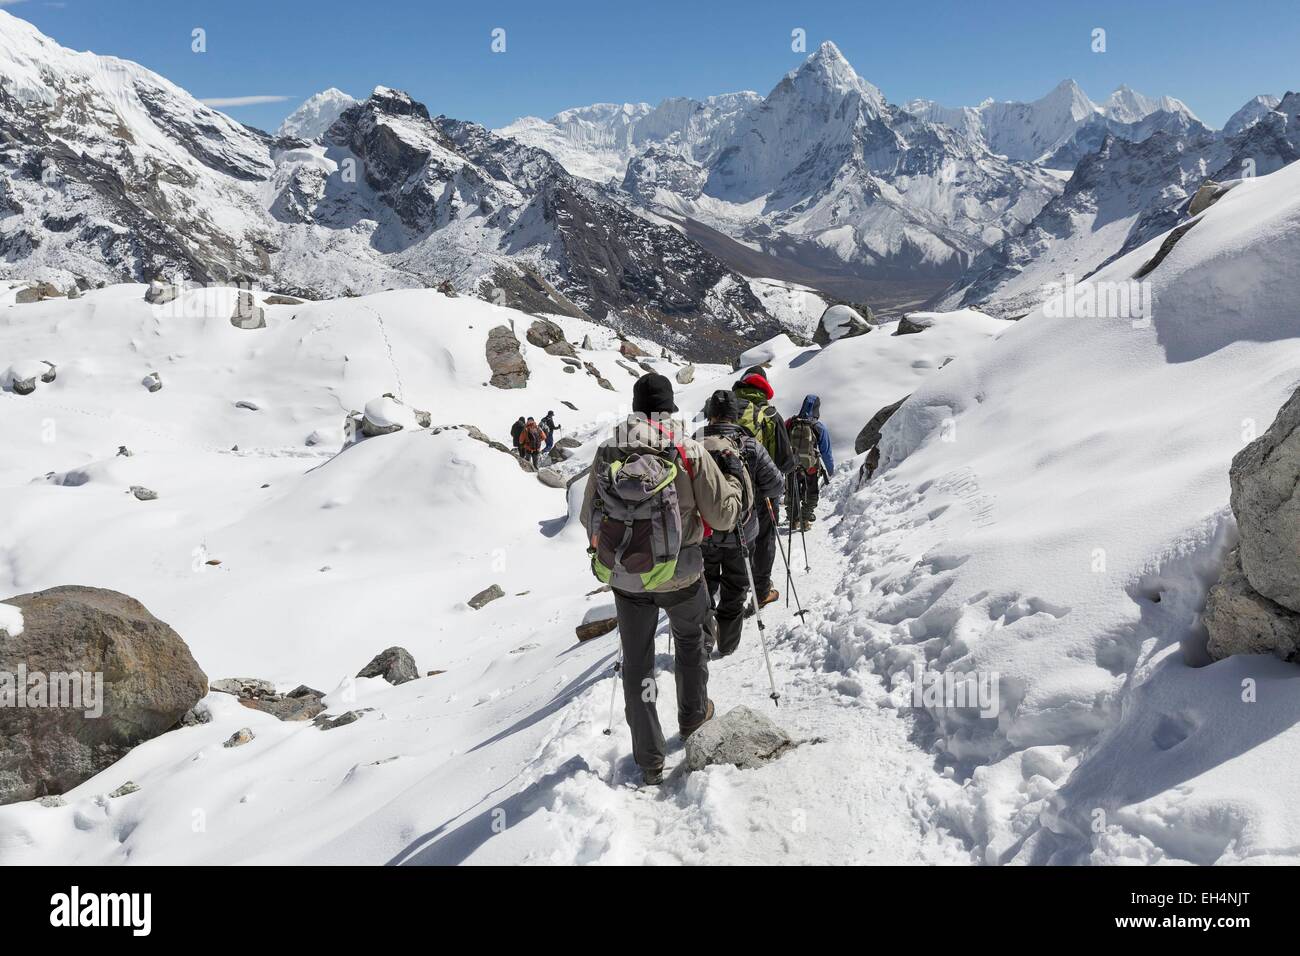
x: 1209, y: 193
x: 395, y: 665
x: 1242, y: 621
x: 149, y: 682
x: 563, y: 448
x: 243, y: 735
x: 143, y: 493
x: 598, y: 621
x: 685, y: 375
x: 160, y: 293
x: 244, y: 687
x: 870, y: 434
x: 544, y: 333
x: 74, y: 292
x: 550, y: 477
x: 247, y: 314
x: 631, y: 349
x: 600, y: 379
x: 281, y: 300
x: 1265, y: 478
x: 152, y: 381
x: 741, y: 737
x: 383, y: 416
x: 586, y: 343
x: 27, y: 295
x: 485, y: 597
x: 562, y: 349
x: 841, y: 322
x: 21, y: 377
x: 509, y: 370
x: 911, y: 324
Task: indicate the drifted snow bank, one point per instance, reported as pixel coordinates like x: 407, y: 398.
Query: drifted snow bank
x: 1055, y: 506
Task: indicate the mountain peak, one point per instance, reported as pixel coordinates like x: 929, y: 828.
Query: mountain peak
x: 829, y: 71
x: 316, y: 114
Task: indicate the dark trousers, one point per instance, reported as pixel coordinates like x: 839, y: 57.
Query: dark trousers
x: 728, y: 581
x: 638, y: 618
x: 764, y: 552
x: 803, y: 494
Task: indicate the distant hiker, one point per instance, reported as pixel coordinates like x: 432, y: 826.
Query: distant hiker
x: 550, y: 428
x: 761, y: 420
x: 810, y: 441
x: 724, y: 551
x: 516, y: 430
x: 652, y: 497
x: 531, y: 441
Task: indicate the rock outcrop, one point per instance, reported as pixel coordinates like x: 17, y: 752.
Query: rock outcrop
x: 870, y: 434
x: 509, y: 370
x: 99, y: 675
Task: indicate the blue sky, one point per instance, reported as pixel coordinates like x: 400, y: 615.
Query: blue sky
x: 561, y: 54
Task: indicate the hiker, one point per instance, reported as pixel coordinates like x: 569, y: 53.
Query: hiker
x: 531, y: 440
x: 516, y: 430
x: 652, y: 497
x: 725, y: 552
x: 550, y: 428
x: 810, y: 442
x: 761, y: 420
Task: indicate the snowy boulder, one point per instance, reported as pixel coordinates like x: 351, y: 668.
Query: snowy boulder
x: 247, y: 314
x: 383, y: 416
x: 685, y: 375
x: 509, y: 370
x: 598, y: 621
x: 544, y: 333
x: 1265, y: 478
x: 563, y: 449
x: 1209, y: 193
x: 765, y: 353
x: 395, y: 665
x: 841, y: 322
x: 114, y: 677
x: 160, y: 293
x: 1240, y: 620
x: 551, y: 477
x: 741, y: 738
x: 914, y: 322
x: 870, y: 434
x: 21, y: 377
x: 486, y: 597
x: 152, y: 381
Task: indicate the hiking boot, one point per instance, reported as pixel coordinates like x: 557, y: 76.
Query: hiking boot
x: 770, y: 597
x: 708, y: 715
x: 652, y: 777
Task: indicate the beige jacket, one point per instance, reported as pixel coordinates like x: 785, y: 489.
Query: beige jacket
x: 709, y: 495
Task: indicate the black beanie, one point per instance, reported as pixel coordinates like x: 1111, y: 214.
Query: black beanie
x: 723, y: 405
x: 652, y: 394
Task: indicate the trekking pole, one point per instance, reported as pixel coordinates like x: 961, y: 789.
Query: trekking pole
x: 803, y: 481
x: 758, y: 614
x: 613, y: 693
x: 788, y: 576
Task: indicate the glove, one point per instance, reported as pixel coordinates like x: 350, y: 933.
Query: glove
x: 729, y: 464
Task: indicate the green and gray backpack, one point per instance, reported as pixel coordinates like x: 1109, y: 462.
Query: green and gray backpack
x: 803, y: 443
x: 635, y: 523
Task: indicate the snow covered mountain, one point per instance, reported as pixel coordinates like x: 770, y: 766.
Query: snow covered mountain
x: 316, y: 114
x: 111, y: 172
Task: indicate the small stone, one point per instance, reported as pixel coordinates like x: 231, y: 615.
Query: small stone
x: 143, y: 493
x: 152, y: 381
x: 597, y: 628
x: 239, y: 738
x: 129, y: 787
x: 342, y: 720
x: 486, y: 596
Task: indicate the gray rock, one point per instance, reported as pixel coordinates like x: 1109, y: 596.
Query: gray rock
x: 586, y: 342
x: 741, y: 737
x: 52, y: 801
x: 841, y: 322
x: 1265, y: 478
x: 301, y: 703
x: 281, y: 300
x: 150, y: 680
x: 395, y: 665
x: 563, y: 449
x: 550, y: 477
x: 74, y: 292
x: 1242, y: 621
x: 27, y: 295
x: 485, y: 597
x: 600, y: 379
x: 247, y: 314
x: 870, y: 434
x: 544, y: 333
x: 631, y: 349
x: 152, y: 381
x: 1209, y: 193
x: 129, y: 787
x: 570, y: 369
x: 240, y: 737
x: 509, y: 370
x: 588, y: 630
x: 685, y: 375
x: 143, y: 493
x: 50, y: 373
x: 160, y: 293
x: 563, y: 349
x: 244, y: 687
x: 909, y: 326
x: 342, y: 720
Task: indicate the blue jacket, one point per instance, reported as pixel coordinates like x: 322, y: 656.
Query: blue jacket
x: 812, y: 408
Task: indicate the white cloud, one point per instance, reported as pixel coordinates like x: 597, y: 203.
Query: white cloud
x: 10, y: 3
x: 237, y: 100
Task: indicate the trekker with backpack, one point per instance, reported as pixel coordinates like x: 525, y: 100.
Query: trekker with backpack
x: 726, y: 552
x: 516, y: 430
x: 760, y: 419
x: 531, y: 440
x: 810, y: 441
x: 652, y: 497
x: 550, y: 428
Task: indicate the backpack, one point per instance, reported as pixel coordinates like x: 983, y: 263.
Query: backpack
x: 734, y: 446
x: 803, y: 442
x: 531, y: 439
x: 636, y: 523
x: 761, y: 426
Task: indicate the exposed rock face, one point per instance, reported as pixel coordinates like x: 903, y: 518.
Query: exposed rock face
x: 486, y: 596
x: 395, y: 665
x: 1255, y: 607
x: 841, y: 322
x: 870, y: 434
x: 741, y: 737
x: 149, y: 682
x: 509, y: 370
x: 1265, y: 478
